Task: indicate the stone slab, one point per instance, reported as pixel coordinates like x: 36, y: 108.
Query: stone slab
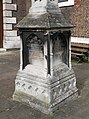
x: 38, y: 105
x: 9, y: 7
x: 7, y: 26
x: 2, y: 49
x: 7, y: 1
x: 11, y: 42
x: 10, y: 33
x: 7, y: 13
x: 11, y: 20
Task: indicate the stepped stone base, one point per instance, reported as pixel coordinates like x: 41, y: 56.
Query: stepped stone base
x: 46, y: 93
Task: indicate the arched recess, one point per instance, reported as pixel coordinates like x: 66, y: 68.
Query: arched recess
x: 1, y: 24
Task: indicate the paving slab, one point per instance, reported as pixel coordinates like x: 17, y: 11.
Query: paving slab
x: 9, y: 109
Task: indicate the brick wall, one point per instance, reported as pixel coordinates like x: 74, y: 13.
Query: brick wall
x: 21, y: 9
x: 79, y: 16
x: 28, y: 5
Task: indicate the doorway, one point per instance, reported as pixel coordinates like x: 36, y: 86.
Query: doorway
x: 1, y: 24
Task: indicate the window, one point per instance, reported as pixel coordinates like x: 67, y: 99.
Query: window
x: 62, y: 0
x: 63, y: 3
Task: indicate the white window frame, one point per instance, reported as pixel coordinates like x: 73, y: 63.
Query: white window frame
x: 67, y: 3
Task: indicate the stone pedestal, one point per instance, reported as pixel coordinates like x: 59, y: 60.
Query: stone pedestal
x: 46, y: 94
x: 45, y: 79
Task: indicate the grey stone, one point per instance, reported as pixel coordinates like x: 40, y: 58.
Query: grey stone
x: 44, y: 14
x: 45, y: 94
x: 47, y: 80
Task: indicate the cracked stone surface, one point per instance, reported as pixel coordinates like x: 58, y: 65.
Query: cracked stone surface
x: 9, y: 109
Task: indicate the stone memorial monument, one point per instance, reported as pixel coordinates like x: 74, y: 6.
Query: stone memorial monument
x: 45, y: 79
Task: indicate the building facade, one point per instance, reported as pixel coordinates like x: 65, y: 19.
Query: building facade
x: 79, y: 16
x: 12, y: 11
x: 9, y: 37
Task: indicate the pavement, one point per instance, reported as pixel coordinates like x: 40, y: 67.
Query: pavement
x: 9, y: 109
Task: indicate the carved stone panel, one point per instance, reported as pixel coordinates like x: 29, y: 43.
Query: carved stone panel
x: 59, y: 49
x: 35, y: 48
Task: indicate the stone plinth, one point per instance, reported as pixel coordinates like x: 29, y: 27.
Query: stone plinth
x: 45, y: 78
x: 46, y: 94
